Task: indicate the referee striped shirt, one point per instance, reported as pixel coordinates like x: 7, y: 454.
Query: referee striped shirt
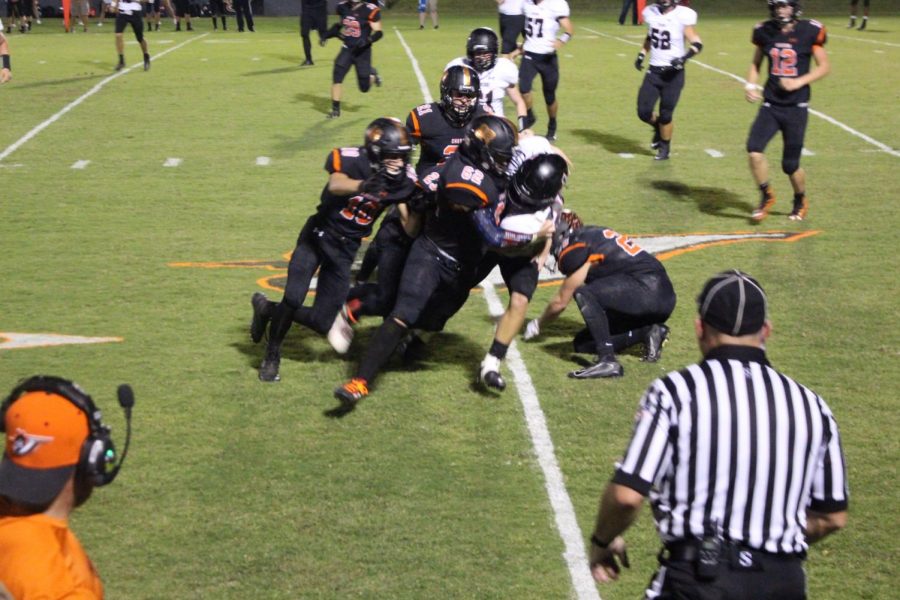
x: 732, y: 446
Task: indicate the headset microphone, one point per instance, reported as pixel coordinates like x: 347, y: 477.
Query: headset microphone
x: 126, y: 401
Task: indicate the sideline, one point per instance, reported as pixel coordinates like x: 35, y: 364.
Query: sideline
x: 883, y: 147
x: 554, y: 482
x: 39, y: 128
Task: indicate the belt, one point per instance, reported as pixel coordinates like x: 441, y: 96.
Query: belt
x: 665, y: 69
x: 734, y: 553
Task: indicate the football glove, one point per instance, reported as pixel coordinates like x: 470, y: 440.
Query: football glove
x: 678, y: 63
x: 374, y: 184
x: 532, y: 330
x: 639, y: 61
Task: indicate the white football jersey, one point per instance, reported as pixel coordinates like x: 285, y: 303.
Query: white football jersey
x: 494, y: 81
x: 666, y: 32
x: 511, y: 7
x: 541, y: 24
x: 1, y: 26
x: 528, y: 147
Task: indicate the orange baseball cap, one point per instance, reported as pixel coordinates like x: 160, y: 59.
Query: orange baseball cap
x: 44, y: 435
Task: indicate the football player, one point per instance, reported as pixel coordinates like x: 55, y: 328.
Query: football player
x: 668, y: 26
x: 359, y: 28
x: 533, y: 202
x: 428, y: 6
x: 512, y: 23
x: 623, y: 293
x: 791, y: 44
x: 543, y: 19
x: 498, y: 76
x: 130, y: 12
x: 5, y: 66
x: 443, y: 260
x: 362, y: 181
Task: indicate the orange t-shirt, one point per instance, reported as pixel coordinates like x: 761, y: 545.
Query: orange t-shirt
x: 40, y: 558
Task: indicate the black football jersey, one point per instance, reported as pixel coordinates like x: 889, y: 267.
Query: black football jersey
x: 608, y: 252
x: 462, y: 188
x: 437, y: 137
x: 790, y: 56
x: 356, y: 19
x: 352, y: 215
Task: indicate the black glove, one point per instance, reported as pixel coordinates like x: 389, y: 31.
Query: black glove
x: 399, y: 190
x: 678, y: 63
x: 639, y: 61
x: 374, y: 185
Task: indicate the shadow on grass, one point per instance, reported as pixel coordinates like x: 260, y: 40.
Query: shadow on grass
x: 709, y: 200
x: 52, y: 82
x: 615, y: 144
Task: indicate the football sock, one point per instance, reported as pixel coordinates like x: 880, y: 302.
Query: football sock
x: 530, y: 115
x: 146, y: 56
x: 336, y: 105
x: 763, y: 188
x: 597, y: 323
x: 282, y: 317
x: 621, y: 341
x: 498, y: 349
x: 121, y: 59
x: 383, y: 344
x: 224, y: 25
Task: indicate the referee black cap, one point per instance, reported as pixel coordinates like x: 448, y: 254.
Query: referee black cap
x: 734, y: 303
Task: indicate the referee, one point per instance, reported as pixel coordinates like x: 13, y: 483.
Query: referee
x: 743, y: 465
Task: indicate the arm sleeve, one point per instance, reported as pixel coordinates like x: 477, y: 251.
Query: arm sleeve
x: 494, y: 235
x: 648, y: 452
x: 333, y: 161
x: 829, y: 489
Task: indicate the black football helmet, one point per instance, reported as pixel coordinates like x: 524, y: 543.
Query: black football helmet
x: 482, y: 48
x: 536, y: 183
x: 489, y: 143
x: 463, y: 81
x: 567, y: 224
x: 667, y: 3
x: 773, y: 10
x: 387, y: 138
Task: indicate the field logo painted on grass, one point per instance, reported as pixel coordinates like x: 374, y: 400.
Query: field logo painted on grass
x: 663, y: 246
x: 17, y: 341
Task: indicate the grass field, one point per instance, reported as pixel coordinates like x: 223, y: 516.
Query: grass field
x: 235, y: 489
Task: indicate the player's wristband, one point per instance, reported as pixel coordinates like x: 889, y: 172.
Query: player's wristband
x: 376, y: 36
x: 598, y: 542
x: 750, y: 87
x: 565, y: 37
x: 522, y: 121
x: 6, y: 62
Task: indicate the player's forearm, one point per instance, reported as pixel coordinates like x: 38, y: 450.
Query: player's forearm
x: 341, y: 184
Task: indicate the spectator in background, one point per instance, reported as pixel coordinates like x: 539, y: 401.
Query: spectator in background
x: 629, y: 4
x: 429, y: 6
x: 865, y: 19
x: 81, y: 10
x: 217, y: 9
x: 243, y: 11
x: 512, y: 23
x: 313, y: 15
x: 102, y: 8
x: 183, y: 11
x: 5, y: 68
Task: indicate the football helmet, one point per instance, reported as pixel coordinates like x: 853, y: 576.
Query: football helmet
x: 773, y: 10
x: 482, y: 48
x: 568, y: 224
x: 387, y: 138
x: 536, y: 183
x: 489, y: 143
x: 667, y: 3
x: 462, y: 81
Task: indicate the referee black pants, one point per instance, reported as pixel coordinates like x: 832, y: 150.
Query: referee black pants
x: 766, y: 577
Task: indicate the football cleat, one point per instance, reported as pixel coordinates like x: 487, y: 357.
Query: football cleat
x: 603, y: 368
x: 340, y: 335
x: 765, y: 205
x: 352, y: 392
x: 490, y: 373
x: 654, y: 143
x: 268, y: 369
x: 146, y: 64
x: 260, y: 319
x: 862, y: 25
x: 307, y: 63
x: 852, y: 23
x: 653, y: 345
x: 376, y: 79
x: 801, y: 207
x: 662, y: 151
x: 120, y: 66
x: 333, y: 114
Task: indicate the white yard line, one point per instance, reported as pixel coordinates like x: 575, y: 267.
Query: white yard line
x: 563, y: 510
x: 855, y: 39
x: 39, y: 128
x: 883, y: 147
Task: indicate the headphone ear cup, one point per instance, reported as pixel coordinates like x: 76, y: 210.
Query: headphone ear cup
x: 97, y: 454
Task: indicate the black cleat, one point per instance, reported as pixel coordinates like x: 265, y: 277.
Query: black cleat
x: 261, y: 317
x: 333, y: 114
x: 662, y: 152
x: 120, y: 66
x: 178, y: 27
x: 493, y: 379
x: 862, y: 25
x: 653, y: 345
x: 322, y: 42
x: 551, y: 134
x: 146, y: 64
x: 268, y: 370
x: 530, y: 120
x: 377, y: 78
x: 604, y: 368
x: 654, y: 143
x: 307, y: 63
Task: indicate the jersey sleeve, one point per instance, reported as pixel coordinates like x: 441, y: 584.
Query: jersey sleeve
x: 648, y: 452
x: 573, y: 257
x: 758, y: 37
x: 333, y: 161
x: 374, y: 14
x: 829, y: 489
x: 821, y: 36
x: 507, y: 72
x: 688, y: 17
x: 561, y: 10
x: 465, y: 194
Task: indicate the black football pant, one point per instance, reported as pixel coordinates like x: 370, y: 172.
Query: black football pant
x: 617, y: 305
x: 547, y: 65
x: 791, y: 121
x: 361, y: 59
x: 313, y: 18
x: 392, y: 247
x: 520, y: 273
x: 511, y: 27
x: 661, y: 84
x: 766, y: 577
x: 332, y: 255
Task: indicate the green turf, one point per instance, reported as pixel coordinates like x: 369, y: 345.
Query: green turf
x: 236, y: 489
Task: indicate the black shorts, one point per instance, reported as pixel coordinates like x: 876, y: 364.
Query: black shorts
x: 360, y: 59
x: 136, y: 21
x: 663, y: 85
x: 547, y: 65
x: 772, y: 118
x: 520, y: 273
x: 314, y: 19
x: 217, y: 7
x: 633, y: 300
x: 511, y: 28
x: 182, y: 8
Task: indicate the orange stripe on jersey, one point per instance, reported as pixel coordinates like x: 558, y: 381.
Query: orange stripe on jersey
x: 596, y: 258
x: 372, y: 16
x: 569, y: 248
x: 820, y: 39
x: 416, y: 132
x: 471, y: 188
x: 336, y: 159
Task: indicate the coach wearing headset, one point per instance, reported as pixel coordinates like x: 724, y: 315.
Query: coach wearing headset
x: 57, y: 450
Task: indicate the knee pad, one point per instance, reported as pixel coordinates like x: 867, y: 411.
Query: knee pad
x: 645, y: 115
x: 549, y: 97
x: 790, y: 161
x: 665, y: 116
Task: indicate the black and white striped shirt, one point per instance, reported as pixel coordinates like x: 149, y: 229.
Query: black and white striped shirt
x: 730, y: 445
